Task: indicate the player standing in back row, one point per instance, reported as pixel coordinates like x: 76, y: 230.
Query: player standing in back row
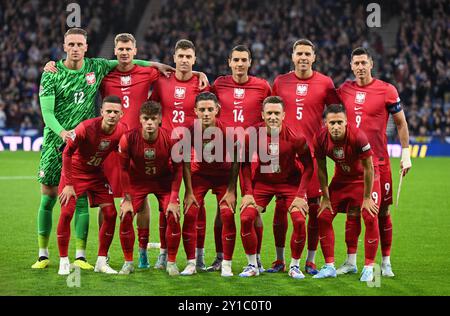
x: 176, y: 95
x: 369, y: 102
x: 305, y: 93
x: 240, y: 97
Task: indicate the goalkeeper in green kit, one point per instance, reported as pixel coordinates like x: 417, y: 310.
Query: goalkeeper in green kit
x: 67, y: 98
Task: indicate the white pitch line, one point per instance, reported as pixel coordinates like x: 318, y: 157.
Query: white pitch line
x: 17, y: 178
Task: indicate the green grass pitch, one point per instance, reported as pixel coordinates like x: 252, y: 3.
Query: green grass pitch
x: 420, y: 254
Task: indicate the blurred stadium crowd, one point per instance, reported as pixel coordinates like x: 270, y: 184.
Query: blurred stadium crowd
x: 417, y: 64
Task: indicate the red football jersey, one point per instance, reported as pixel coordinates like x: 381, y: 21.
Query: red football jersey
x: 133, y: 88
x: 86, y: 151
x: 204, y: 162
x: 368, y: 108
x: 240, y: 104
x: 177, y: 99
x: 148, y: 162
x: 347, y: 154
x: 288, y: 148
x: 305, y: 100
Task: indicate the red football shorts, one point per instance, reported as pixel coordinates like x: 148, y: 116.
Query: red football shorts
x: 264, y: 192
x: 345, y: 195
x: 97, y: 189
x: 160, y: 189
x: 111, y: 169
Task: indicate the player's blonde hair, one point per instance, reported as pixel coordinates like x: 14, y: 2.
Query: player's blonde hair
x: 76, y: 30
x: 124, y: 37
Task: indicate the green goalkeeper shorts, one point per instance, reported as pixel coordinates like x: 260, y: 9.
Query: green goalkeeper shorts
x: 50, y: 163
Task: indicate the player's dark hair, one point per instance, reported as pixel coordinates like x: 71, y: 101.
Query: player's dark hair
x: 184, y: 44
x: 273, y: 99
x: 206, y: 96
x: 361, y: 51
x: 241, y: 48
x: 304, y: 41
x: 125, y: 37
x: 150, y: 108
x: 76, y: 30
x: 112, y: 99
x: 334, y: 108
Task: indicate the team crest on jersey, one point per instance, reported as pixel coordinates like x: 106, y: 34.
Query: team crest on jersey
x: 302, y: 89
x: 104, y: 144
x: 90, y: 78
x: 360, y: 97
x: 149, y: 153
x: 346, y: 168
x: 125, y: 80
x: 180, y: 92
x: 239, y: 93
x: 338, y: 152
x: 274, y: 149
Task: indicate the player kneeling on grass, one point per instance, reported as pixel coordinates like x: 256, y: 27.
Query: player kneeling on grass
x: 215, y: 168
x: 279, y: 176
x: 147, y: 167
x: 351, y: 190
x: 82, y: 173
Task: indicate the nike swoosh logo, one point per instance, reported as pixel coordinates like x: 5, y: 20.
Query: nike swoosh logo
x: 200, y: 227
x: 107, y: 234
x: 299, y: 241
x: 357, y: 108
x: 177, y: 103
x: 245, y: 235
x: 175, y: 234
x: 237, y: 102
x: 299, y: 100
x: 371, y: 241
x: 124, y: 89
x: 388, y: 229
x: 229, y: 239
x: 65, y: 86
x: 320, y: 238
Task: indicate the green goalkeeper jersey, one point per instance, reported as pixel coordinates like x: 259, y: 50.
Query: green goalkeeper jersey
x: 74, y: 92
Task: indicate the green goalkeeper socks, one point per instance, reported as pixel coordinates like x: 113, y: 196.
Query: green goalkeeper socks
x: 45, y: 220
x: 81, y: 222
